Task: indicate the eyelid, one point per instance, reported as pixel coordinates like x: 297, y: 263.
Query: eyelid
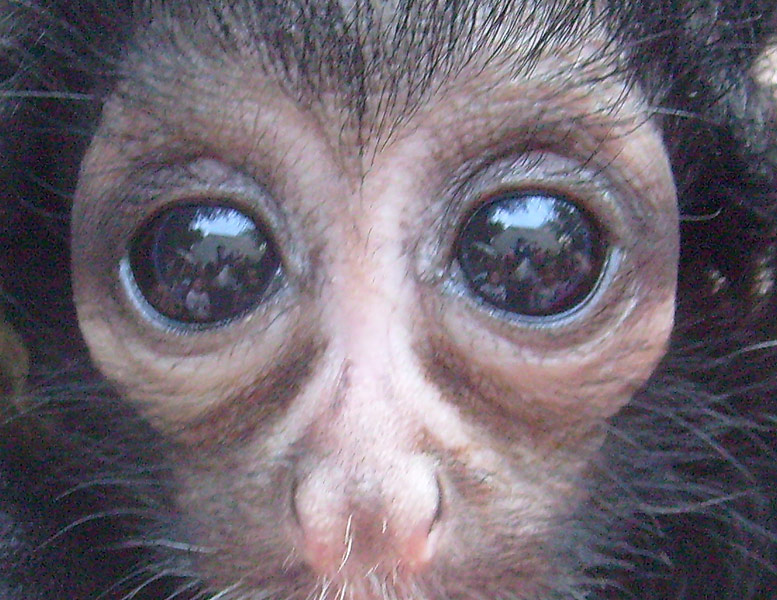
x: 155, y: 187
x: 612, y: 208
x: 148, y: 193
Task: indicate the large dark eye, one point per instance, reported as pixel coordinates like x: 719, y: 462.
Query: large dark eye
x: 531, y: 253
x: 201, y: 264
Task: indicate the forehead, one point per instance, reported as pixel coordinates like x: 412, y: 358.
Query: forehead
x: 372, y: 63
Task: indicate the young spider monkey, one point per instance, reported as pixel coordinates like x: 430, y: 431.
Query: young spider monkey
x: 420, y: 300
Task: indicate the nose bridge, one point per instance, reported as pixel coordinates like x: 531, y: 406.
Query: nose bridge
x: 368, y: 422
x: 366, y: 494
x: 364, y: 414
x: 373, y: 410
x: 366, y: 302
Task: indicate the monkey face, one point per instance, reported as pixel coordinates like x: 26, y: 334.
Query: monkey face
x: 384, y: 342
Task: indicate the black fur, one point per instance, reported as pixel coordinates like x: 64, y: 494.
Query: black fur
x: 684, y: 499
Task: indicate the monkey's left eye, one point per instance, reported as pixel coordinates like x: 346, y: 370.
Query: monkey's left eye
x: 533, y: 254
x: 202, y: 264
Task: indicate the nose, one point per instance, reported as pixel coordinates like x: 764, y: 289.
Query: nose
x: 379, y: 512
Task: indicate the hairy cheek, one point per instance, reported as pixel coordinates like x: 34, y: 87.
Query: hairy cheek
x: 175, y: 388
x: 571, y: 387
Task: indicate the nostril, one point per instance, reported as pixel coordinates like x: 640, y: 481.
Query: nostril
x: 417, y: 527
x: 437, y: 516
x: 293, y: 502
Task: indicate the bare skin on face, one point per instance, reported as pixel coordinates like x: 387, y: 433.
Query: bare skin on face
x: 379, y: 422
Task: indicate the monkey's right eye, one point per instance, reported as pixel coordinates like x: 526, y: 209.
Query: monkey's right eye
x: 200, y: 264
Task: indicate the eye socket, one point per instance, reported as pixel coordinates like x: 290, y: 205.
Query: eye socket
x: 533, y: 254
x: 202, y: 264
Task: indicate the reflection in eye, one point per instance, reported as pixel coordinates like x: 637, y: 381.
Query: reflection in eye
x: 532, y: 254
x: 202, y: 264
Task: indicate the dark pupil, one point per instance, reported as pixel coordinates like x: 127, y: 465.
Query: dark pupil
x: 202, y: 264
x: 531, y: 254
